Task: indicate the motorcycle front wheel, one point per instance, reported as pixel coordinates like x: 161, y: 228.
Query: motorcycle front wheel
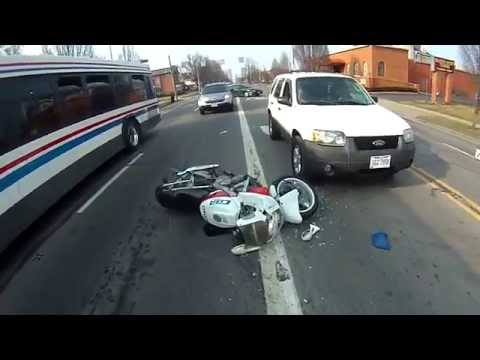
x: 307, y: 197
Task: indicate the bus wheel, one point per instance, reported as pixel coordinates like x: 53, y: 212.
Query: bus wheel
x: 132, y: 135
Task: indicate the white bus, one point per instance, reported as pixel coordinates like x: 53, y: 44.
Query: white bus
x: 60, y: 118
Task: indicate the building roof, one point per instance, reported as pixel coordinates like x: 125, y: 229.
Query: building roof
x: 161, y: 71
x: 355, y: 47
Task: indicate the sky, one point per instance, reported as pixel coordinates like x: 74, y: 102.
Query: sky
x: 157, y: 55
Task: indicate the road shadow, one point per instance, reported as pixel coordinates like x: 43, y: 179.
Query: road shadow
x: 428, y: 159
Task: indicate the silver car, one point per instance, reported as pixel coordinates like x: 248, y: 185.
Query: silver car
x: 216, y: 96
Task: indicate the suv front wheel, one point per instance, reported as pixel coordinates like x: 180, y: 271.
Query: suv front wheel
x: 300, y: 166
x: 273, y: 128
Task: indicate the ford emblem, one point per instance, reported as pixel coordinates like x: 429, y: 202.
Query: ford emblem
x: 378, y: 142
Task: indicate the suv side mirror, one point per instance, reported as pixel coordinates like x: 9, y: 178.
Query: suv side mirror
x: 375, y: 98
x: 284, y: 101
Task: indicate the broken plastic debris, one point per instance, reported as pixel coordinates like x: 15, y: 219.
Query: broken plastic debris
x: 322, y: 243
x: 281, y: 271
x: 306, y: 301
x: 254, y: 274
x: 308, y: 234
x: 380, y: 241
x: 243, y: 249
x: 223, y: 132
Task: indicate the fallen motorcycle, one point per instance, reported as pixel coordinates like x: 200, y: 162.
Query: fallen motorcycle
x: 239, y: 204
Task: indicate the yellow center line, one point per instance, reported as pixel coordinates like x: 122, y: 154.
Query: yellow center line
x: 470, y: 206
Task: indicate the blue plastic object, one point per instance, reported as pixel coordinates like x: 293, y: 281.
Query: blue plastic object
x: 380, y: 241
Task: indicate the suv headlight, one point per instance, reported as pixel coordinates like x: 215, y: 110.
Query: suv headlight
x: 408, y: 136
x: 329, y: 137
x: 227, y: 96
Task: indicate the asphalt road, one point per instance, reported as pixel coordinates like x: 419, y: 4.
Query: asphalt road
x: 126, y: 254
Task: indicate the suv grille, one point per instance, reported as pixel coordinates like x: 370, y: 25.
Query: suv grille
x: 366, y: 142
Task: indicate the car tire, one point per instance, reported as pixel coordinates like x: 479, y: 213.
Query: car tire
x: 273, y: 130
x: 300, y: 167
x: 202, y: 112
x: 132, y: 135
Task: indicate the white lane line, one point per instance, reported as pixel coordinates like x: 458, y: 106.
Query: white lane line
x: 196, y: 108
x: 280, y: 296
x: 264, y: 129
x: 109, y: 182
x: 459, y: 150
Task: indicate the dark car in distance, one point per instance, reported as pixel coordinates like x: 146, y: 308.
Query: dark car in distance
x: 239, y: 90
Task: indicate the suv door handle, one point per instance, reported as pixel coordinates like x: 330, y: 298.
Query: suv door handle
x: 279, y: 109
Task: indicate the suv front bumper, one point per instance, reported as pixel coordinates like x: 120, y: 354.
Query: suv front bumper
x: 215, y: 106
x: 348, y: 159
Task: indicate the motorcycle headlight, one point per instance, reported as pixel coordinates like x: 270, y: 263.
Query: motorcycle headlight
x: 408, y: 136
x: 329, y: 137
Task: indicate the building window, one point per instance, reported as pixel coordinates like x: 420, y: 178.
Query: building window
x: 381, y: 68
x: 356, y: 68
x: 365, y: 68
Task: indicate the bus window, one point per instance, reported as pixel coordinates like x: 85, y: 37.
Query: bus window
x: 139, y: 88
x: 100, y: 93
x: 123, y: 89
x: 149, y: 87
x: 27, y: 110
x: 75, y: 105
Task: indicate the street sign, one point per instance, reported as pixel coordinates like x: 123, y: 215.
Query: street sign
x: 444, y: 65
x: 241, y: 59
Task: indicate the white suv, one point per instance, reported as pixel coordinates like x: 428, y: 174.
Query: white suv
x: 335, y: 126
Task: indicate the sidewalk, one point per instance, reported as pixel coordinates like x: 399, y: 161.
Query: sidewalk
x: 458, y: 126
x: 165, y: 100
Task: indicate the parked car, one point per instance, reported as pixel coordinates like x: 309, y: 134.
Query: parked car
x: 335, y: 126
x: 244, y: 91
x: 180, y: 88
x: 215, y: 96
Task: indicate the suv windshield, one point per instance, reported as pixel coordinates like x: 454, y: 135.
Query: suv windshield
x: 331, y: 91
x: 214, y: 89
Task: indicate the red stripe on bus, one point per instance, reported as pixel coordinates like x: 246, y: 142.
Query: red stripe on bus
x: 63, y: 138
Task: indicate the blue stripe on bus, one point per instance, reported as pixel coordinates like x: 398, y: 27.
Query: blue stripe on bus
x: 23, y: 171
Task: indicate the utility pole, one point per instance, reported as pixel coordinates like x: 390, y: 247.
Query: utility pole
x: 173, y: 79
x: 111, y: 55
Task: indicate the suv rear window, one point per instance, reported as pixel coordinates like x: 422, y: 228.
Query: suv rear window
x: 214, y: 89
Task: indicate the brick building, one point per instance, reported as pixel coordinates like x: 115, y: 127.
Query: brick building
x: 403, y: 68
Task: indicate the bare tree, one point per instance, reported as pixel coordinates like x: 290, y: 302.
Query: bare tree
x: 192, y: 65
x: 11, y: 49
x: 69, y: 50
x: 304, y: 55
x: 284, y: 61
x: 129, y: 55
x: 275, y: 64
x: 471, y: 60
